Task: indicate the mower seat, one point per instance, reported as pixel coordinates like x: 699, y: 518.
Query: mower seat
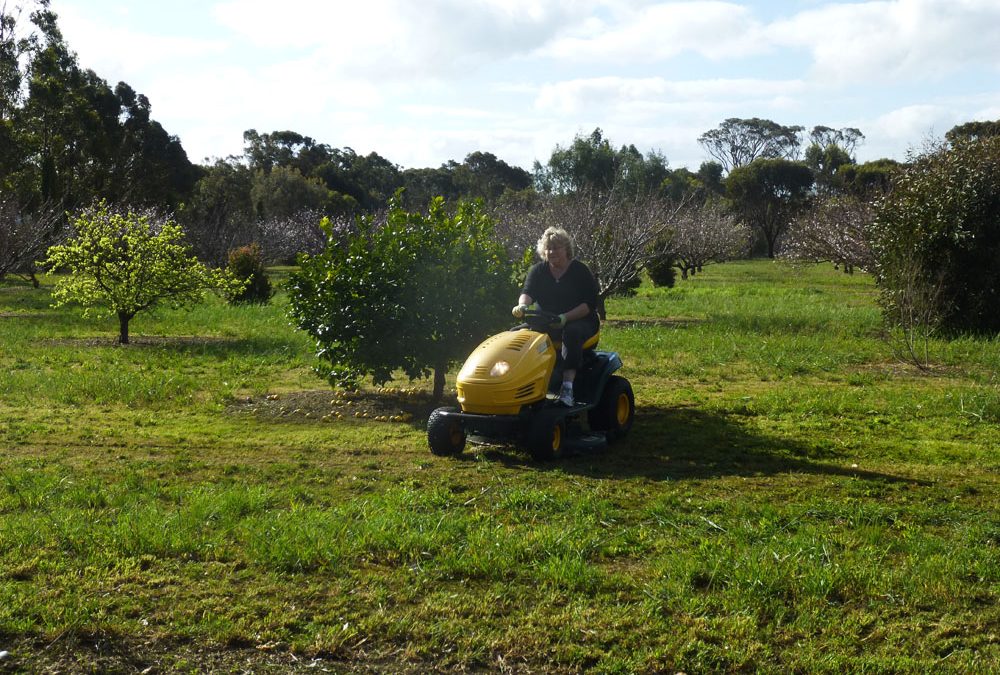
x: 588, y: 346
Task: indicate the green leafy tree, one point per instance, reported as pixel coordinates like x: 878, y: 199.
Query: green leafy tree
x: 738, y: 142
x: 683, y: 185
x: 827, y: 164
x: 590, y: 164
x: 264, y: 152
x: 284, y: 191
x: 246, y: 263
x: 413, y: 292
x: 67, y: 137
x: 829, y: 153
x: 973, y: 131
x: 123, y: 263
x: 483, y: 176
x: 767, y: 194
x: 847, y: 138
x: 16, y: 47
x: 420, y: 186
x: 870, y: 180
x: 219, y: 216
x: 937, y: 239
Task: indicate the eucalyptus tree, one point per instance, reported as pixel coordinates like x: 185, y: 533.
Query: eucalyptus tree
x: 737, y: 142
x: 973, y: 131
x: 67, y: 136
x: 590, y: 164
x: 767, y: 194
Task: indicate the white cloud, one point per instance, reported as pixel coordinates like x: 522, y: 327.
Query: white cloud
x: 115, y: 51
x: 658, y: 95
x: 898, y: 131
x: 714, y: 30
x: 400, y: 39
x: 424, y: 82
x: 882, y: 41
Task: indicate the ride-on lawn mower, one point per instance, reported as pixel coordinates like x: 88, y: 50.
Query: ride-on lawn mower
x: 504, y: 394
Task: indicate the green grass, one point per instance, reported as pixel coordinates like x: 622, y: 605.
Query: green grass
x: 792, y: 497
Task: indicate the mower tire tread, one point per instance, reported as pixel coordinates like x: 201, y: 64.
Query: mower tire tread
x: 445, y: 434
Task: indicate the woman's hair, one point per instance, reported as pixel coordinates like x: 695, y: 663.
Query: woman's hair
x: 552, y: 237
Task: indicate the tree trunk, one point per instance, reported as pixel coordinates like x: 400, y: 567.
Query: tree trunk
x: 123, y: 319
x: 439, y: 373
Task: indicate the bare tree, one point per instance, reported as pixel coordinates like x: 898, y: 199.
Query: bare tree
x: 25, y: 236
x: 613, y: 232
x: 836, y: 229
x: 213, y: 237
x: 283, y: 238
x: 703, y: 234
x: 913, y: 311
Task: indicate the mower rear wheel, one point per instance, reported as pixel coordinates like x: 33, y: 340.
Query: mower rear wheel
x: 445, y: 434
x: 615, y: 412
x: 547, y: 434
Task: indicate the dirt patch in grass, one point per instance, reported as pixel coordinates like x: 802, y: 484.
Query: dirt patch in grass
x: 652, y: 322
x: 144, y: 341
x: 382, y: 405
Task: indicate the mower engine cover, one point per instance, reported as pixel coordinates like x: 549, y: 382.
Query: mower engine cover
x: 505, y: 372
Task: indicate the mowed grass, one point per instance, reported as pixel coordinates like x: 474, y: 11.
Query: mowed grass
x: 792, y: 497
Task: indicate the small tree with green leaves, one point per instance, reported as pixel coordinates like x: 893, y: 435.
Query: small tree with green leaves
x: 125, y: 262
x: 246, y: 263
x: 412, y: 292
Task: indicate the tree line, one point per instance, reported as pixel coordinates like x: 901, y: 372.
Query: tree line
x: 71, y: 144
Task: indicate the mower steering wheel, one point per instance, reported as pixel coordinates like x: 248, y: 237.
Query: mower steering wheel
x: 539, y: 319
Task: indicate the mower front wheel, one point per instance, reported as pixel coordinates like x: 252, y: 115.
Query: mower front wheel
x: 445, y: 434
x: 547, y: 435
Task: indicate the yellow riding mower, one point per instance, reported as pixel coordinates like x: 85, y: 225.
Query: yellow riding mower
x: 504, y: 395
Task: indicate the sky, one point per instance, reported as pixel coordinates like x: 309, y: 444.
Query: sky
x: 422, y: 82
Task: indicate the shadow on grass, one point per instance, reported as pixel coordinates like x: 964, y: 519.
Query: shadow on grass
x: 668, y: 444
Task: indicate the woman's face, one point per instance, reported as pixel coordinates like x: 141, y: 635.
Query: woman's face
x: 556, y: 255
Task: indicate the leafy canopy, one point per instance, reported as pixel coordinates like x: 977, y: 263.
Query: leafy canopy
x: 937, y: 236
x: 414, y: 292
x: 123, y: 263
x: 767, y: 194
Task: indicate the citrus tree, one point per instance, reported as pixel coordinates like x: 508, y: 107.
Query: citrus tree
x: 125, y: 262
x: 410, y: 291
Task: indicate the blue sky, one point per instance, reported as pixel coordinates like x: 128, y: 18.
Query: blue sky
x: 424, y: 82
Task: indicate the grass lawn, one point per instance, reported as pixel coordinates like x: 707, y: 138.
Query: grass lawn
x: 791, y: 498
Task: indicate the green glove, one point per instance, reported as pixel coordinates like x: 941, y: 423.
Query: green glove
x: 518, y: 311
x: 559, y: 323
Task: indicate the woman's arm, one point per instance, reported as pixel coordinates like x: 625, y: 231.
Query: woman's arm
x: 579, y: 312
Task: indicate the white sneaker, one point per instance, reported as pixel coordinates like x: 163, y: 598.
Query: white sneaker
x: 566, y: 395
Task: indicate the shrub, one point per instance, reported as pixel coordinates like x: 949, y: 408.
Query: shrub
x: 246, y: 263
x: 412, y: 292
x: 662, y: 270
x: 937, y: 238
